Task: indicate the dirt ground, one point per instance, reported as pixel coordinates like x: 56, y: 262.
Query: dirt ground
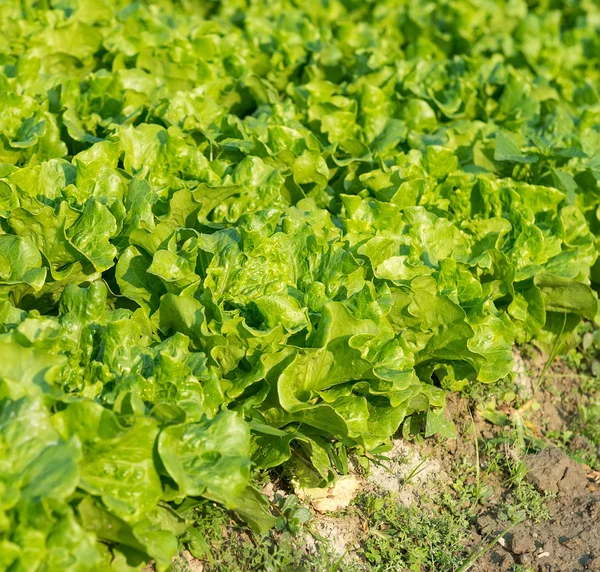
x: 570, y: 540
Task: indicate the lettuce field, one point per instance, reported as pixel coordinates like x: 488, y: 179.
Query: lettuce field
x: 250, y: 235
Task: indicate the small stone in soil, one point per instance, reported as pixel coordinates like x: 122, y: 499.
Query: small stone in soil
x: 521, y: 542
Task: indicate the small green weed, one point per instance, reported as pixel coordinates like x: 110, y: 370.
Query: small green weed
x: 522, y: 500
x: 430, y: 536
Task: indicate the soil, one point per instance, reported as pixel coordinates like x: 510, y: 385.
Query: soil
x: 570, y: 541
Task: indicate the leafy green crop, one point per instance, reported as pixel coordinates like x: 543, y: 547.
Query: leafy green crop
x: 245, y: 233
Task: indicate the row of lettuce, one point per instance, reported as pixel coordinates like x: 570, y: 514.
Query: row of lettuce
x: 240, y: 235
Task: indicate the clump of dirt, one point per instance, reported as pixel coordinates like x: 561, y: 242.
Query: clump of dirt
x: 551, y: 471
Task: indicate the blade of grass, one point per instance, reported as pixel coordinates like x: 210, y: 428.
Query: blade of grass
x: 476, y: 555
x: 553, y: 353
